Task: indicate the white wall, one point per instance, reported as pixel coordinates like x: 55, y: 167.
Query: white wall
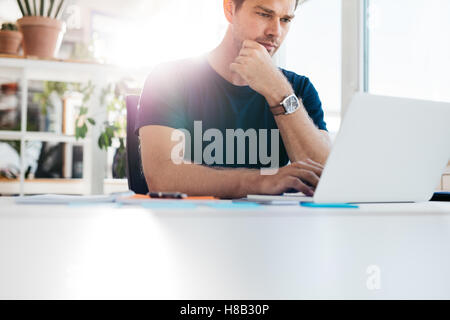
x: 9, y: 11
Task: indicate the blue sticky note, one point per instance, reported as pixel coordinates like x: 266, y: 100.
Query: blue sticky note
x: 328, y: 205
x: 178, y: 204
x: 235, y: 205
x: 94, y: 204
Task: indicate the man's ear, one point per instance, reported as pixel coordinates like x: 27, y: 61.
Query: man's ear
x: 228, y: 8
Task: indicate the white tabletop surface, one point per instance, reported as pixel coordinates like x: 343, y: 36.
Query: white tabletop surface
x: 380, y: 251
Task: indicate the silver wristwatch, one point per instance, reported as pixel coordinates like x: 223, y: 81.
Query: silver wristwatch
x: 289, y: 105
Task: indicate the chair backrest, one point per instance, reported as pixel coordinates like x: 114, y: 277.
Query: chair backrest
x: 135, y: 174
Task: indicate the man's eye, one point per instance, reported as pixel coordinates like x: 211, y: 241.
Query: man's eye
x: 265, y: 15
x: 286, y: 20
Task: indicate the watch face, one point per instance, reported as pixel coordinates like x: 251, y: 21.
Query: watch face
x: 291, y: 104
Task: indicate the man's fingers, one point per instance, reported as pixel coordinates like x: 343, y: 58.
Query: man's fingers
x: 308, y: 166
x: 235, y: 67
x: 247, y: 52
x: 240, y: 60
x: 317, y: 164
x: 307, y: 176
x: 297, y: 184
x: 314, y: 164
x: 250, y: 44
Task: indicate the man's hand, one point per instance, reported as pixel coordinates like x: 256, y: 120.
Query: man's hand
x: 302, y: 176
x: 254, y: 64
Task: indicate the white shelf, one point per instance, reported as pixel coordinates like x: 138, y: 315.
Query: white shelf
x: 40, y: 136
x: 94, y: 159
x: 59, y: 186
x: 54, y: 70
x: 10, y: 135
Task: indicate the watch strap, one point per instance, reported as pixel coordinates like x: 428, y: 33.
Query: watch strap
x: 278, y: 110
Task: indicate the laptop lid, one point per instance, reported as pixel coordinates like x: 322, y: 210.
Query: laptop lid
x: 387, y: 150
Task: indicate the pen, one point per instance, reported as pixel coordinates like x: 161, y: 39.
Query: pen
x: 167, y: 195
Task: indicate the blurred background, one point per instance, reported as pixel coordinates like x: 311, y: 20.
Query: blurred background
x: 401, y: 48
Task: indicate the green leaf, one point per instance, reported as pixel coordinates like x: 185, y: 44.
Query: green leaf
x: 28, y: 8
x: 100, y: 142
x: 104, y: 141
x: 83, y: 130
x: 122, y: 144
x: 52, y: 2
x: 9, y: 26
x: 58, y: 10
x: 91, y: 121
x: 108, y: 142
x: 80, y: 132
x: 109, y: 131
x: 77, y: 133
x: 21, y: 8
x: 83, y: 111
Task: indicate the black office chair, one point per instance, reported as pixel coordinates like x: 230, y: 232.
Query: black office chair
x: 135, y: 174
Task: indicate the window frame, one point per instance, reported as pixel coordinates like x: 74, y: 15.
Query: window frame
x: 352, y: 64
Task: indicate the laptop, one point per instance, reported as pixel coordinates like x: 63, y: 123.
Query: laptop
x: 387, y: 150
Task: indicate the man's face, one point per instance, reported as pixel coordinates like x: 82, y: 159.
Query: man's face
x: 264, y: 21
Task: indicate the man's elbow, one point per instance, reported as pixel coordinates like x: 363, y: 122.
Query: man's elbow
x: 158, y: 177
x: 154, y: 185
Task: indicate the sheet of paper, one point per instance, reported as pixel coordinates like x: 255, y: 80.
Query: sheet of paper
x: 64, y: 199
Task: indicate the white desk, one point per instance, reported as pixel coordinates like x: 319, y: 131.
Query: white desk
x: 271, y: 253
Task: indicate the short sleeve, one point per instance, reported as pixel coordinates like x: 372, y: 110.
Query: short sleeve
x: 161, y: 101
x: 304, y: 89
x: 312, y: 103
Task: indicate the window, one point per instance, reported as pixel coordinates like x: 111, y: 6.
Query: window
x: 313, y: 49
x: 155, y: 32
x: 408, y: 48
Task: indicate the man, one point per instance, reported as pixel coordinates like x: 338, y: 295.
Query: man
x: 236, y: 86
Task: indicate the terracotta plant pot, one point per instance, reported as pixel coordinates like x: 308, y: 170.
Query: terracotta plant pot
x: 10, y: 41
x: 42, y: 36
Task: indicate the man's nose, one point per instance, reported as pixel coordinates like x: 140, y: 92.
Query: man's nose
x: 274, y: 29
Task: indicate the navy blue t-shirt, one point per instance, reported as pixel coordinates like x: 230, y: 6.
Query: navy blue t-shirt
x: 180, y: 93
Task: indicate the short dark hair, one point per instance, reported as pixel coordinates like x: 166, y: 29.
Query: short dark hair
x: 239, y: 3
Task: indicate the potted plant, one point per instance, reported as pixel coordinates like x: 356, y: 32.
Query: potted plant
x: 112, y: 132
x: 10, y: 39
x: 41, y: 27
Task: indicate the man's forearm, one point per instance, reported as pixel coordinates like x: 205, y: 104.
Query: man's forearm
x: 198, y: 180
x: 301, y: 137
